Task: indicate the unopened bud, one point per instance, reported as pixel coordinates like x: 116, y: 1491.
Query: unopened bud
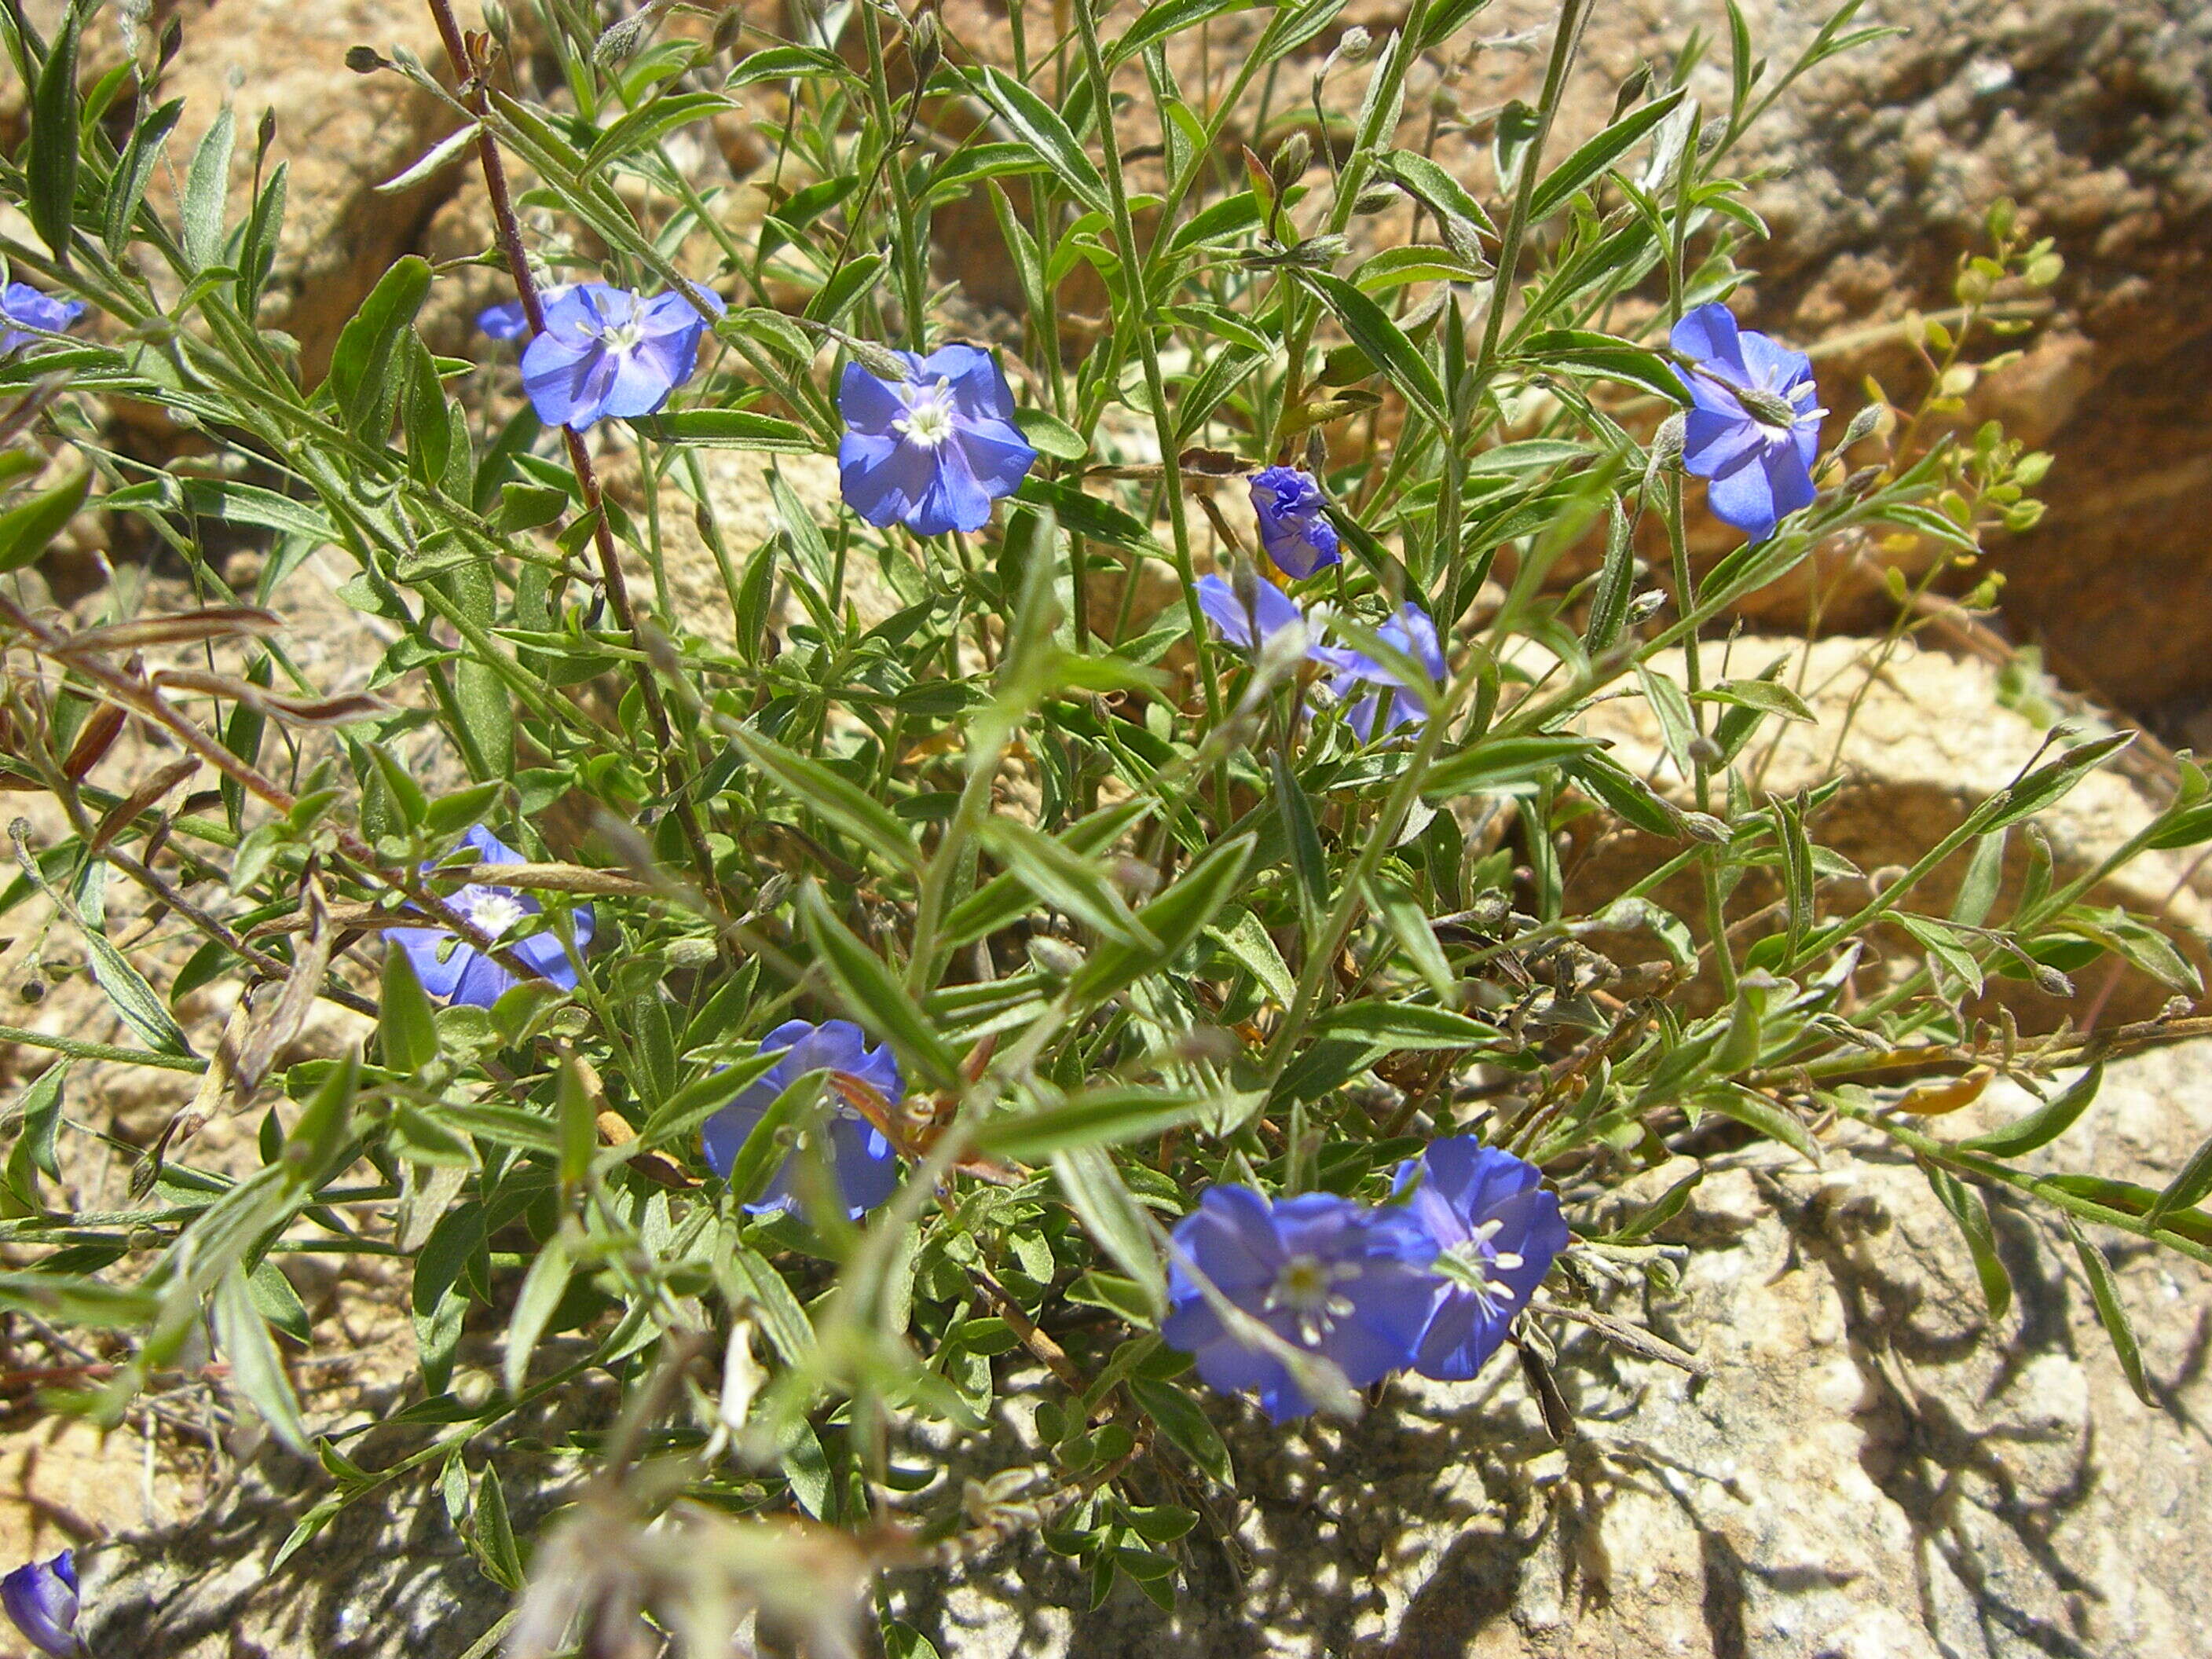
x: 688, y: 953
x: 1646, y: 606
x: 1376, y: 198
x: 879, y: 360
x: 727, y: 28
x: 1353, y: 45
x: 1863, y: 423
x: 2051, y: 983
x: 773, y: 892
x: 924, y: 43
x: 1292, y: 157
x: 362, y: 60
x: 1862, y: 480
x: 1704, y: 826
x: 172, y: 42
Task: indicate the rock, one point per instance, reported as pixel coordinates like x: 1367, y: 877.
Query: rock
x: 1920, y: 740
x: 1871, y: 1472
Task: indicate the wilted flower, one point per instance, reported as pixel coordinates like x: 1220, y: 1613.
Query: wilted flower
x: 465, y: 973
x: 1412, y: 632
x: 1339, y: 1279
x: 1754, y: 428
x: 23, y: 308
x: 1496, y: 1232
x: 865, y: 1162
x: 41, y: 1599
x: 509, y: 321
x: 1270, y: 609
x: 607, y: 351
x: 933, y: 451
x: 1293, y: 529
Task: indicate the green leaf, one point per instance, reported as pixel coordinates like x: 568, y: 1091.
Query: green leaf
x: 2048, y: 785
x: 1092, y: 1184
x: 1765, y: 696
x: 49, y: 170
x: 1246, y: 943
x: 1188, y: 1428
x: 766, y: 1145
x: 1384, y: 343
x: 132, y: 998
x: 1065, y: 880
x: 1979, y: 888
x: 28, y: 530
x: 406, y: 1021
x: 258, y: 508
x: 1111, y: 1116
x: 1175, y: 918
x: 1037, y: 124
x: 1968, y: 1209
x: 1409, y: 923
x: 1498, y: 762
x: 257, y: 1371
x: 1308, y: 862
x: 37, y: 1114
x: 679, y: 1115
x: 872, y: 994
x: 2044, y: 1125
x: 846, y: 805
x: 206, y: 187
x: 542, y: 1287
x: 729, y: 428
x: 1755, y: 1111
x: 134, y: 172
x: 1605, y: 356
x: 1597, y: 155
x: 2105, y: 1293
x: 1443, y: 193
x: 365, y: 360
x: 1050, y: 436
x: 1404, y: 1025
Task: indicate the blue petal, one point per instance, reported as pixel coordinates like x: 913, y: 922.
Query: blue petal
x: 1771, y: 364
x: 638, y: 385
x: 868, y: 1167
x: 544, y: 956
x: 483, y: 982
x: 954, y: 500
x: 422, y: 945
x: 1743, y: 496
x: 1712, y: 441
x: 490, y: 849
x: 978, y: 385
x: 1789, y: 483
x: 1709, y: 335
x: 883, y: 479
x: 1460, y: 1339
x: 997, y: 453
x: 566, y: 383
x: 504, y: 321
x: 726, y: 1132
x: 868, y: 403
x: 1231, y: 1238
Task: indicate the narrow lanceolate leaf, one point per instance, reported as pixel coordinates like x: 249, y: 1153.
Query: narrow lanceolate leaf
x: 1176, y: 918
x: 842, y: 803
x: 1036, y: 123
x: 1969, y: 1209
x: 365, y: 361
x: 405, y: 1020
x: 205, y: 189
x: 1755, y: 1111
x: 27, y: 531
x: 2047, y: 786
x: 1102, y: 1201
x: 257, y: 1370
x: 1065, y: 880
x: 134, y: 172
x: 1404, y: 1025
x: 1110, y: 1116
x: 542, y: 1289
x: 872, y: 995
x: 1384, y: 343
x: 53, y: 162
x: 1596, y: 156
x: 2044, y: 1124
x: 2105, y: 1291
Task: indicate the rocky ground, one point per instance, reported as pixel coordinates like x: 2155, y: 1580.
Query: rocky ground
x: 1872, y: 1468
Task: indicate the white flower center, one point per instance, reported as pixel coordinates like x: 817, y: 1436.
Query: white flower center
x: 1307, y: 1287
x: 928, y: 418
x: 623, y: 336
x: 1475, y: 1264
x: 493, y: 911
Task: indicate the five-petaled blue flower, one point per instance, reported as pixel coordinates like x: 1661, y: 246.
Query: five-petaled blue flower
x: 452, y: 968
x: 1412, y: 632
x: 41, y: 1599
x: 1754, y: 427
x: 933, y: 451
x: 1340, y: 1279
x: 23, y: 308
x: 1271, y: 611
x: 1293, y: 528
x: 1497, y: 1231
x: 865, y: 1162
x: 509, y: 321
x: 607, y: 351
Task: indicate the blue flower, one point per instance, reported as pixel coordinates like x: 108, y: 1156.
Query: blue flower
x: 24, y: 308
x: 607, y: 351
x: 1754, y: 428
x: 1497, y: 1231
x: 464, y: 974
x: 1293, y: 529
x: 1337, y: 1279
x: 1271, y: 609
x: 865, y: 1162
x: 933, y: 451
x: 509, y: 321
x: 41, y: 1599
x: 1412, y: 634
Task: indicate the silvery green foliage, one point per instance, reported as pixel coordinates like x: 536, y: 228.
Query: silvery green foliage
x: 1130, y: 905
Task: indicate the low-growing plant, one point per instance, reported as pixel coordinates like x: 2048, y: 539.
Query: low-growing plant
x: 1082, y: 918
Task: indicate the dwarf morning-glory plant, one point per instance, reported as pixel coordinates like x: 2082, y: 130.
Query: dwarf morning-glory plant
x: 935, y: 450
x: 1345, y: 1281
x: 1294, y: 526
x: 606, y: 351
x: 1249, y: 613
x: 29, y: 315
x: 1372, y: 682
x: 1754, y: 425
x: 1497, y: 1231
x: 452, y: 968
x: 40, y: 1598
x: 867, y: 1165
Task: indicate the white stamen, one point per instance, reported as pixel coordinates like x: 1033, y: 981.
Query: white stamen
x: 928, y: 418
x: 491, y: 909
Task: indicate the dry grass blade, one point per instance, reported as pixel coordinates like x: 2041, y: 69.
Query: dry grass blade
x: 186, y: 628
